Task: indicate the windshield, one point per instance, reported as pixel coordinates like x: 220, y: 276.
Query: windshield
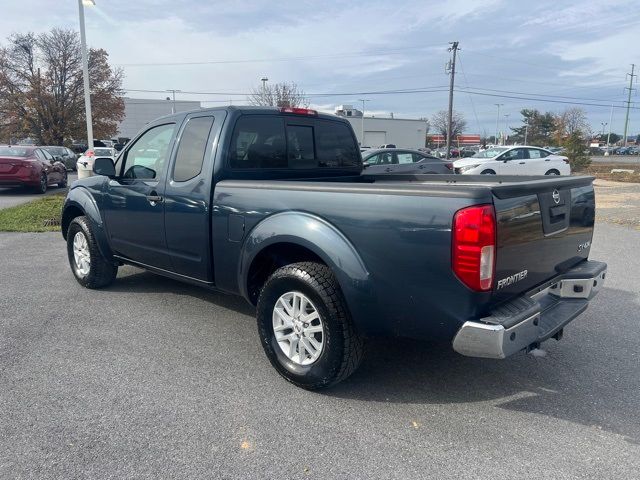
x: 103, y: 152
x: 55, y: 150
x: 14, y: 152
x: 490, y: 153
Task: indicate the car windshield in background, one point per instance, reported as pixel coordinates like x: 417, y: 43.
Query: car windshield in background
x: 55, y: 150
x: 490, y: 153
x: 14, y: 152
x: 102, y: 152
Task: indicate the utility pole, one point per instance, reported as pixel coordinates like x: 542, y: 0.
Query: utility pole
x: 630, y: 88
x: 362, y: 123
x: 453, y: 49
x: 498, y: 121
x: 173, y: 105
x: 609, y: 135
x: 264, y: 81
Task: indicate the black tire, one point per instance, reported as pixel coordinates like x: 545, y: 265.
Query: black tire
x: 553, y: 171
x: 343, y: 347
x: 65, y: 181
x: 488, y: 172
x: 44, y: 183
x: 102, y: 271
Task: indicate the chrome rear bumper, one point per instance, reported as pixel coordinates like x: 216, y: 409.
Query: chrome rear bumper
x: 528, y: 320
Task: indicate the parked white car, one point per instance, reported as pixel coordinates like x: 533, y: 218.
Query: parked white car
x: 85, y: 161
x: 518, y: 160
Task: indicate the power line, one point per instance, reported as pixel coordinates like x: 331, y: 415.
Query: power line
x: 473, y: 106
x: 547, y: 100
x: 416, y: 90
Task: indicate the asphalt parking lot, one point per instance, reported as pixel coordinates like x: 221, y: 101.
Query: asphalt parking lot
x: 151, y: 378
x: 10, y: 197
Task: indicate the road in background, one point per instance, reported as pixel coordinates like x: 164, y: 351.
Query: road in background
x: 10, y: 197
x: 634, y: 159
x: 152, y: 378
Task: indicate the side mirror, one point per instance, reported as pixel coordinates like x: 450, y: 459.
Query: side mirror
x: 57, y: 158
x: 104, y: 166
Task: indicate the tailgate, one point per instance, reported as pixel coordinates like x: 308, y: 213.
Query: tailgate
x: 544, y: 227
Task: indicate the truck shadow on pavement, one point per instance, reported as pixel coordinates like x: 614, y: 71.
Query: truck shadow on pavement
x: 131, y: 279
x: 590, y: 378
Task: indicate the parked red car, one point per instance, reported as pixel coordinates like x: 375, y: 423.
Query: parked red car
x: 30, y: 166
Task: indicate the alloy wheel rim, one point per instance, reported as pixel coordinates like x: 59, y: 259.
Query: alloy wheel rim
x: 81, y: 255
x: 298, y: 328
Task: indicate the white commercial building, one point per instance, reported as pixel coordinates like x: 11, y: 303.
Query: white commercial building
x: 139, y: 111
x: 401, y: 132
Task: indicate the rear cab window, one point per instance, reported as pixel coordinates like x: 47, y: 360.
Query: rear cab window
x: 283, y: 142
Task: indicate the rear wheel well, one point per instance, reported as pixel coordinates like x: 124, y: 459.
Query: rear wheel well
x: 272, y: 258
x: 67, y: 216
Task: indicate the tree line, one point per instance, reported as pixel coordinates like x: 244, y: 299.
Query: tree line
x: 42, y: 92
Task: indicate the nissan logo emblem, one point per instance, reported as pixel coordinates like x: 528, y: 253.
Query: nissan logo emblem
x: 556, y: 196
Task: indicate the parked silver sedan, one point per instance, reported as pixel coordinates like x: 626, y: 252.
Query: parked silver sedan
x: 399, y: 160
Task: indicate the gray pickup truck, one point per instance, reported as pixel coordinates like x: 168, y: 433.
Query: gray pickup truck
x: 270, y: 204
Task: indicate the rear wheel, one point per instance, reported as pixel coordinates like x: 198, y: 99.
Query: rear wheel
x: 65, y: 180
x: 89, y: 266
x: 553, y: 172
x: 488, y: 172
x: 305, y: 328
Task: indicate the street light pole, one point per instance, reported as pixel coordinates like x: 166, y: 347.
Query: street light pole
x: 609, y: 135
x: 604, y: 124
x: 506, y: 123
x: 362, y: 123
x: 497, y: 120
x: 85, y: 73
x: 173, y: 105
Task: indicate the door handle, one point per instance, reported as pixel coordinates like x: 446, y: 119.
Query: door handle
x: 522, y: 163
x: 154, y: 199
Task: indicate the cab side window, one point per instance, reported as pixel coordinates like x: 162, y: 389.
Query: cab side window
x: 147, y: 157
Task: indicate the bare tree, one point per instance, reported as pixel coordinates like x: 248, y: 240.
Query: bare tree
x: 572, y: 121
x: 278, y: 95
x: 439, y: 123
x: 41, y: 89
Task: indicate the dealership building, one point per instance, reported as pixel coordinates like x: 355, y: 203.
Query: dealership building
x: 139, y: 111
x: 376, y: 131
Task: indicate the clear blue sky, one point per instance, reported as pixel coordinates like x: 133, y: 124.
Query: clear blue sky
x: 553, y: 48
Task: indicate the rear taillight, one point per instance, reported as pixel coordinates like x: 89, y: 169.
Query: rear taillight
x: 474, y: 246
x: 299, y: 111
x: 449, y: 166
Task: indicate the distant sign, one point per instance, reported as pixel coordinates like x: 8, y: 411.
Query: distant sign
x: 470, y: 139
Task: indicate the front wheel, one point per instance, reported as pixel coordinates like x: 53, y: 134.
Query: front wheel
x: 305, y: 327
x: 89, y: 266
x: 553, y: 172
x: 488, y: 172
x: 42, y: 185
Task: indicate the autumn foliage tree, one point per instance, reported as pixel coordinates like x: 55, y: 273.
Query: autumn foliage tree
x: 42, y: 94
